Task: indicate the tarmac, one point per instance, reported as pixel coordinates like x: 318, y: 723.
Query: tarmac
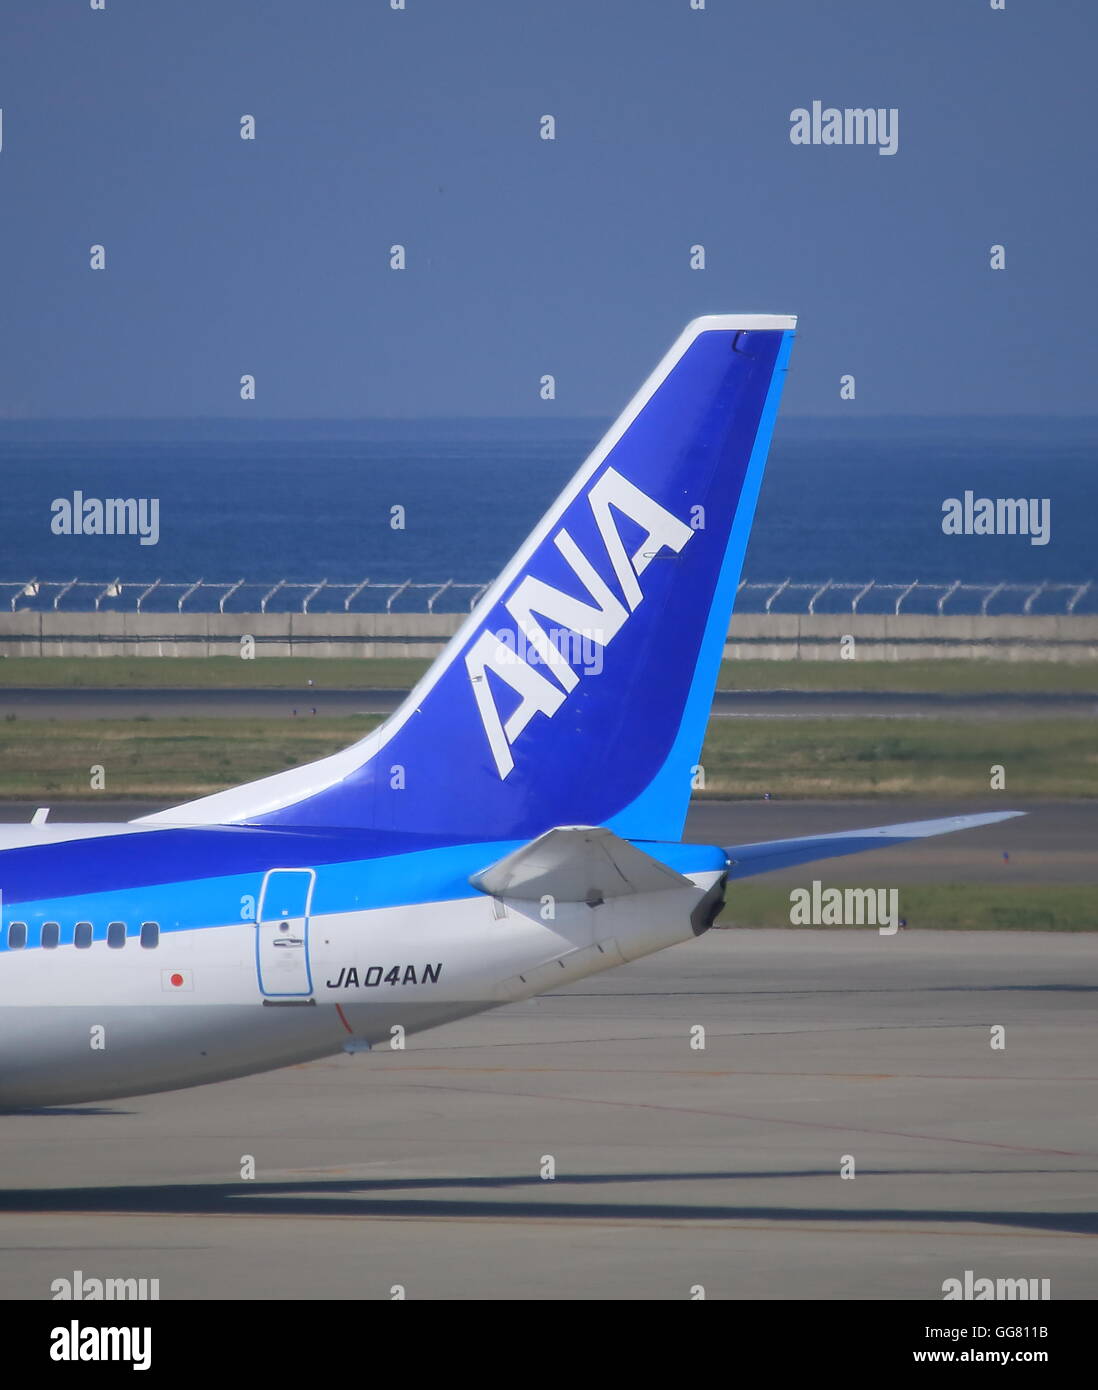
x: 584, y: 1145
x: 674, y: 1168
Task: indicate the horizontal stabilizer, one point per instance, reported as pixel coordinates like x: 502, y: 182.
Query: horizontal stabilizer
x: 42, y: 832
x: 577, y: 864
x: 765, y: 857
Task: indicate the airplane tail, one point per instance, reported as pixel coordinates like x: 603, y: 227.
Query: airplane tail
x: 578, y: 690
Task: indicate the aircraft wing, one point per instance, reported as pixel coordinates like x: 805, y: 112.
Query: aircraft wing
x: 748, y: 860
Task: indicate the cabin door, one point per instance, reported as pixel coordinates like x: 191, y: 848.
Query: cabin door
x: 282, y: 934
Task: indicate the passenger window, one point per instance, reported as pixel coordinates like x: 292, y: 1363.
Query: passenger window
x: 82, y: 936
x: 51, y: 935
x: 17, y: 936
x: 116, y: 935
x: 150, y: 935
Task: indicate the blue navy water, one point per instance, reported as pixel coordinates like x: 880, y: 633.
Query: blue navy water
x: 847, y: 500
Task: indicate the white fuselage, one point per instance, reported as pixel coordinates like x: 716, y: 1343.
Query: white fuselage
x: 81, y: 1025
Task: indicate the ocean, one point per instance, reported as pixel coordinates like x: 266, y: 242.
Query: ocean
x: 843, y: 500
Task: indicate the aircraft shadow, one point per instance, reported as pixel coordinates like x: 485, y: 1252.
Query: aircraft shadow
x: 376, y: 1197
x: 46, y: 1112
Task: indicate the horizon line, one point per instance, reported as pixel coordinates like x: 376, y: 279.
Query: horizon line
x: 6, y: 420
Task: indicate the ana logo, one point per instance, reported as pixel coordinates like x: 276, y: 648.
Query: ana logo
x: 601, y: 620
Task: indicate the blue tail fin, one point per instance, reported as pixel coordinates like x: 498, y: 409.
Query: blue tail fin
x: 578, y: 691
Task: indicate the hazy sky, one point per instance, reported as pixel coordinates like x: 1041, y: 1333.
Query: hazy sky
x: 527, y: 256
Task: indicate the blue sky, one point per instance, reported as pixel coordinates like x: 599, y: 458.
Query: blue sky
x: 527, y: 256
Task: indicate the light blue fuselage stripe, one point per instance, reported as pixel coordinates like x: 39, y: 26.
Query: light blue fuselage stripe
x: 660, y: 810
x: 425, y: 876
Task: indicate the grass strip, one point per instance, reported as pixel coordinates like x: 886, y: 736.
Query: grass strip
x: 813, y: 759
x: 399, y: 673
x: 1063, y: 907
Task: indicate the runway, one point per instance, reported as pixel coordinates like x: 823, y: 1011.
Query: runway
x: 674, y: 1167
x: 306, y: 702
x: 1054, y: 842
